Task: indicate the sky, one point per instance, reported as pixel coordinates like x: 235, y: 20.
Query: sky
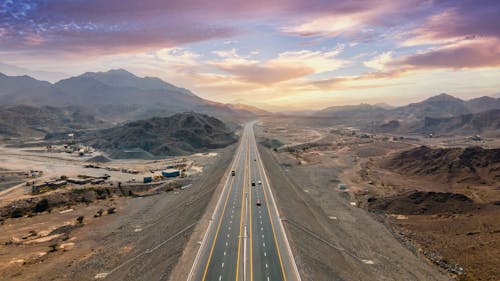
x: 275, y: 54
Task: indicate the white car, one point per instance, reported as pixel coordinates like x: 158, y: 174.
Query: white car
x: 259, y: 182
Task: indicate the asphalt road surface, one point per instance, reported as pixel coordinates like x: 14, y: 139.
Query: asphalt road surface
x: 245, y: 239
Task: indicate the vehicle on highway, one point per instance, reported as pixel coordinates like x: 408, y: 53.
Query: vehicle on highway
x: 233, y: 173
x: 253, y: 183
x: 258, y: 203
x: 259, y: 182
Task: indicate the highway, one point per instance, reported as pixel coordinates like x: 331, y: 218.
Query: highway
x: 245, y: 239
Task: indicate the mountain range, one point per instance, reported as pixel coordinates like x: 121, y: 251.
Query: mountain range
x: 441, y: 114
x: 115, y: 95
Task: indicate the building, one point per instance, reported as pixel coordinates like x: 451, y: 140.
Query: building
x: 171, y: 173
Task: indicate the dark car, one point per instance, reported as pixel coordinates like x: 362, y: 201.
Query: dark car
x: 253, y: 183
x: 233, y: 173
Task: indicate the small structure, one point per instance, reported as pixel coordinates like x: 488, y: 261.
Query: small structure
x: 97, y: 181
x: 476, y: 138
x: 56, y: 184
x: 78, y: 181
x: 171, y: 173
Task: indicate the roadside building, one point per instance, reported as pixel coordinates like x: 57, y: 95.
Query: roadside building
x: 171, y: 173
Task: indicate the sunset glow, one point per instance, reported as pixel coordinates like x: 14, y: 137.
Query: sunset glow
x: 278, y: 54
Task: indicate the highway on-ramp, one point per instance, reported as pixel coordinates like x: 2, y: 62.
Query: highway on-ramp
x: 245, y: 239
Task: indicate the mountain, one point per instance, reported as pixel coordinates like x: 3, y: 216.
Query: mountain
x: 116, y: 95
x: 179, y: 134
x: 481, y: 104
x: 487, y: 122
x: 453, y: 165
x: 353, y: 114
x: 442, y: 105
x: 28, y: 121
x: 123, y: 78
x: 20, y: 84
x: 249, y: 108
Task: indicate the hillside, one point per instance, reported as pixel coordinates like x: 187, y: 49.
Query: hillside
x: 182, y: 133
x: 28, y: 121
x: 487, y: 123
x: 116, y: 95
x: 439, y: 106
x: 353, y: 114
x: 472, y: 165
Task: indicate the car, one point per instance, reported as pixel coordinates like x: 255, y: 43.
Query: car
x: 259, y: 182
x: 253, y: 183
x: 258, y: 203
x: 233, y: 173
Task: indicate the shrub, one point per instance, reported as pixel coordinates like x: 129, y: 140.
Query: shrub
x: 17, y: 213
x: 99, y: 213
x: 111, y: 211
x: 53, y: 247
x: 80, y: 219
x: 42, y: 206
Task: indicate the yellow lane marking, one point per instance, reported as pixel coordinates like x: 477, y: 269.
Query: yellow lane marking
x: 272, y: 224
x: 241, y: 215
x: 220, y: 221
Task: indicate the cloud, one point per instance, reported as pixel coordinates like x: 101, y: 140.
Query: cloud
x: 379, y: 62
x: 457, y: 20
x: 356, y: 19
x: 286, y: 66
x: 480, y: 52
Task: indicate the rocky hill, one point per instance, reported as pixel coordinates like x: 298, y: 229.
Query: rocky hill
x: 474, y: 165
x: 487, y: 123
x: 439, y: 106
x: 29, y: 121
x: 182, y: 133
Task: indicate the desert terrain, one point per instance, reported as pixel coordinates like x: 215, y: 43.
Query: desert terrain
x: 437, y: 196
x: 121, y: 227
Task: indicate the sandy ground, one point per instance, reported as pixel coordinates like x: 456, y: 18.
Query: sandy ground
x: 143, y: 240
x: 55, y: 165
x: 332, y: 239
x: 345, y: 155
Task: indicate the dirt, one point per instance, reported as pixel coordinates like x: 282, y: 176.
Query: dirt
x: 331, y: 239
x: 425, y: 203
x: 142, y: 238
x: 440, y: 202
x: 471, y: 165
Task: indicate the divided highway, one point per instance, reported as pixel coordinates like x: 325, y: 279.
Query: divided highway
x: 245, y: 239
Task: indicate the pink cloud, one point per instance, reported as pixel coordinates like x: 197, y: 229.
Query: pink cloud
x: 470, y: 54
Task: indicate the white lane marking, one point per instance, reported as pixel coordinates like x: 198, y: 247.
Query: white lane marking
x: 228, y: 235
x: 263, y: 244
x: 226, y: 244
x: 222, y: 265
x: 266, y: 265
x: 262, y: 236
x: 224, y: 253
x: 265, y: 254
x: 220, y: 277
